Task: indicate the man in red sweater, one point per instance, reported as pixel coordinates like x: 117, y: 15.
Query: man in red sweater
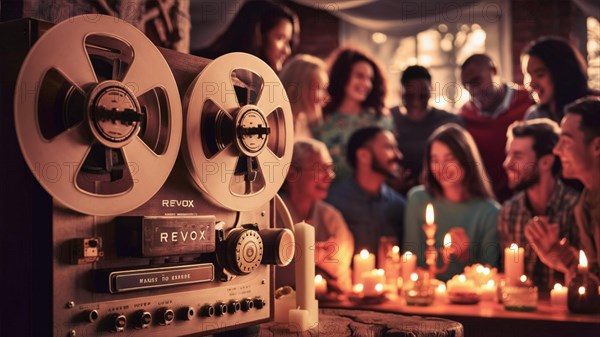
x: 492, y: 108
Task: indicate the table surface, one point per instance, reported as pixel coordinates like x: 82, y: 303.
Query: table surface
x: 490, y: 318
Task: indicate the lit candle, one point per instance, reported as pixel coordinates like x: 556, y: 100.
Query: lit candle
x: 448, y: 250
x: 409, y: 265
x: 440, y: 292
x: 299, y: 320
x: 430, y: 227
x: 460, y: 284
x: 489, y: 291
x: 513, y: 264
x: 305, y: 265
x: 558, y: 296
x: 363, y: 262
x: 320, y: 286
x: 373, y: 282
x: 582, y: 267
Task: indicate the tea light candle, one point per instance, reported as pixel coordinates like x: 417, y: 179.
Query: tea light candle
x: 320, y: 286
x: 513, y: 264
x: 558, y: 296
x: 409, y: 265
x: 305, y: 265
x: 440, y: 292
x: 299, y: 320
x: 363, y: 262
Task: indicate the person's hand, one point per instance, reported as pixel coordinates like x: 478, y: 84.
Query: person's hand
x: 544, y: 238
x: 460, y: 244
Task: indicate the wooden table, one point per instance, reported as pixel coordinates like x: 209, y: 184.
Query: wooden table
x: 366, y: 323
x: 490, y: 319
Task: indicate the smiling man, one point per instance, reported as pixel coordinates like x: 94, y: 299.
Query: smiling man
x: 579, y: 151
x: 533, y: 171
x: 370, y: 207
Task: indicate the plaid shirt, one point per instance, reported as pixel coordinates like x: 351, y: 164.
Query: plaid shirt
x: 515, y: 214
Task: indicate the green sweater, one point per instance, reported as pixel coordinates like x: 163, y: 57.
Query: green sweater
x: 477, y: 217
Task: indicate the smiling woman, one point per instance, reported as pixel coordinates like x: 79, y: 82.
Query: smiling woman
x: 264, y: 29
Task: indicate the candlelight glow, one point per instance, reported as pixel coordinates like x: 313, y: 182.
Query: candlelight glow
x: 583, y: 262
x: 523, y: 278
x: 479, y: 269
x: 462, y: 278
x: 379, y: 272
x: 558, y: 286
x: 447, y: 240
x: 414, y: 277
x: 486, y: 271
x: 318, y: 278
x: 379, y: 287
x: 429, y: 214
x: 514, y: 247
x: 491, y: 283
x: 396, y: 250
x: 364, y: 254
x: 581, y: 290
x: 358, y: 288
x: 441, y: 287
x: 407, y: 256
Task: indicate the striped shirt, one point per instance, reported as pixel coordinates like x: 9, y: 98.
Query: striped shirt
x: 515, y: 214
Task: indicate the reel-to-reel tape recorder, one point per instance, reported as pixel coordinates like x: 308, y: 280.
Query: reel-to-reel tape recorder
x: 143, y: 192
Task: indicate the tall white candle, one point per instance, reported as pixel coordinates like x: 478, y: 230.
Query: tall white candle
x: 305, y: 265
x: 513, y: 264
x: 363, y: 263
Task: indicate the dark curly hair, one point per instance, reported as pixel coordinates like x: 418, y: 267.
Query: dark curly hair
x: 339, y: 74
x: 567, y: 69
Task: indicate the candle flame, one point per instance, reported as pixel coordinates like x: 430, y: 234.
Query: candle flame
x: 396, y: 250
x: 379, y: 287
x: 380, y: 272
x: 514, y: 247
x: 462, y: 278
x: 407, y: 256
x: 581, y: 290
x: 429, y: 219
x: 583, y: 259
x: 358, y: 288
x: 523, y: 278
x: 318, y: 278
x: 479, y: 269
x: 414, y: 277
x: 491, y: 283
x: 441, y: 287
x: 447, y: 240
x: 558, y: 286
x: 364, y: 254
x: 486, y: 271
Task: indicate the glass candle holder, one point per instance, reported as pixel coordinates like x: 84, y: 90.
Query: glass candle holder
x: 419, y: 290
x: 520, y: 298
x: 582, y: 294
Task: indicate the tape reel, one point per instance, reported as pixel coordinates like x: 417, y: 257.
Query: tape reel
x: 238, y: 134
x: 99, y: 124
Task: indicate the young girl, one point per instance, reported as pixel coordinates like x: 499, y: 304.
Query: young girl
x: 456, y: 184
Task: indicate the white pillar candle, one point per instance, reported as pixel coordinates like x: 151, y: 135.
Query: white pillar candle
x: 409, y: 265
x: 305, y: 265
x: 489, y: 291
x: 299, y: 320
x: 373, y: 282
x: 513, y: 264
x: 558, y: 296
x: 320, y: 286
x: 363, y: 262
x: 440, y: 292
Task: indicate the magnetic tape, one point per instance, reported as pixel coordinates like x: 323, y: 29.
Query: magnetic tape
x: 156, y: 213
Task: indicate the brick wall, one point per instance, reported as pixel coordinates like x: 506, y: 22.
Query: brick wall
x: 534, y: 18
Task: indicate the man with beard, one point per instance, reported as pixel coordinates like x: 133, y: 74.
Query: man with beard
x: 579, y: 151
x: 371, y: 208
x: 532, y: 171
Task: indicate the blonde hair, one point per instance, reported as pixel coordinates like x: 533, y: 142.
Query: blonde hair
x: 297, y: 77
